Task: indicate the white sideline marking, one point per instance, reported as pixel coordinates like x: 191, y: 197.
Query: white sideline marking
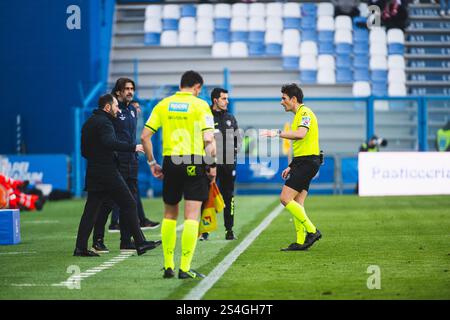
x: 199, y: 291
x: 93, y: 271
x: 40, y: 221
x: 23, y: 252
x: 29, y: 285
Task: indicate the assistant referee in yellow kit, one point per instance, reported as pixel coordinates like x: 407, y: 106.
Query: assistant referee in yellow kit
x: 305, y: 165
x: 188, y: 147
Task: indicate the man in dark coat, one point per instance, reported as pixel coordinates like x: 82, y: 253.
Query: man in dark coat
x: 103, y: 180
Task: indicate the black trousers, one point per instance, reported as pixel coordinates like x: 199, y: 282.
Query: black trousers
x: 122, y: 196
x: 115, y: 215
x: 108, y: 206
x: 226, y: 176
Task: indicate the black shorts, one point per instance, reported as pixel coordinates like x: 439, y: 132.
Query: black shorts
x: 188, y: 180
x: 303, y: 170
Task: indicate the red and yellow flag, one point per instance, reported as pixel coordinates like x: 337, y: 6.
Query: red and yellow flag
x: 211, y: 207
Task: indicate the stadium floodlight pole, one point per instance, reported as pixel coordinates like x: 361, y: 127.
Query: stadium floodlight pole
x: 370, y: 114
x: 422, y: 124
x: 77, y: 152
x: 136, y: 76
x: 18, y: 134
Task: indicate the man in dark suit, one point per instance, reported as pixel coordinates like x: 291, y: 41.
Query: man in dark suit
x: 103, y: 180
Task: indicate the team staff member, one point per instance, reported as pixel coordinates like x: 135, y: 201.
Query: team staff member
x: 443, y: 138
x: 103, y: 181
x: 305, y: 165
x: 227, y: 139
x: 188, y: 131
x: 125, y: 127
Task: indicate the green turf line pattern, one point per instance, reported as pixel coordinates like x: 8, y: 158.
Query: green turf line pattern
x: 198, y: 292
x: 75, y: 280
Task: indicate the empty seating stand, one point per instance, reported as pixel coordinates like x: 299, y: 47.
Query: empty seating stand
x: 278, y: 29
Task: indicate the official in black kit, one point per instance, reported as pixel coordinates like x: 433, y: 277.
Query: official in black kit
x: 228, y: 143
x: 125, y: 127
x: 104, y: 183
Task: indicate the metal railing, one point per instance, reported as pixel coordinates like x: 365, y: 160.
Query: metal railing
x: 369, y: 102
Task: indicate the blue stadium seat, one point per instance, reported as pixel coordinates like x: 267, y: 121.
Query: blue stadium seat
x: 291, y: 23
x: 256, y: 49
x: 308, y: 23
x: 358, y: 22
x: 188, y: 10
x: 361, y: 48
x: 343, y: 48
x: 361, y: 35
x: 290, y: 63
x: 379, y: 89
x: 152, y: 39
x: 344, y: 75
x: 170, y: 24
x: 222, y: 23
x: 326, y: 48
x: 431, y: 12
x: 239, y: 36
x: 222, y: 36
x: 326, y: 36
x: 396, y: 48
x: 309, y: 35
x: 343, y: 61
x: 308, y: 76
x: 378, y: 76
x: 256, y: 36
x: 361, y: 61
x: 309, y: 9
x: 273, y: 49
x: 361, y: 74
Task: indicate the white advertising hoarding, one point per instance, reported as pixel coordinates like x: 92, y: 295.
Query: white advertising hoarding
x: 403, y: 173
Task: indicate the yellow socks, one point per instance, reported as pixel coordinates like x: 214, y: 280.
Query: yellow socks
x: 300, y: 230
x: 188, y: 243
x: 299, y: 213
x: 169, y: 239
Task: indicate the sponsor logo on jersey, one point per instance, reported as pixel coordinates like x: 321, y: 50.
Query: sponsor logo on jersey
x: 178, y: 107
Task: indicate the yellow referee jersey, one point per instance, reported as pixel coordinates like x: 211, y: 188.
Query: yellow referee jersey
x: 183, y: 119
x: 309, y: 145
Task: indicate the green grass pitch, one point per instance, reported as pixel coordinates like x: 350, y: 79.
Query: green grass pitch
x: 406, y: 238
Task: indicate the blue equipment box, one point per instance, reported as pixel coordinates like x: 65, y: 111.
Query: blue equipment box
x: 9, y: 226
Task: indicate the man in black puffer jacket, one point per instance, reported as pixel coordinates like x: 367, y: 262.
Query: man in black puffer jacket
x: 104, y: 183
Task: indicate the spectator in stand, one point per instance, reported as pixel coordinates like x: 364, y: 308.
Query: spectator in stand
x: 394, y: 13
x: 445, y: 6
x: 346, y: 8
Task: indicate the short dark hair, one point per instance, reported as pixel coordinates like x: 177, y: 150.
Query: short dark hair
x: 215, y: 93
x: 120, y: 85
x: 293, y: 90
x: 190, y: 78
x: 104, y: 100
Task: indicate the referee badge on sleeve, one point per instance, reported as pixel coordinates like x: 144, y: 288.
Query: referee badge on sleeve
x: 209, y: 121
x: 306, y: 121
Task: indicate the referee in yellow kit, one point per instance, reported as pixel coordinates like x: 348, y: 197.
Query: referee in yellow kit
x: 305, y: 165
x: 188, y: 147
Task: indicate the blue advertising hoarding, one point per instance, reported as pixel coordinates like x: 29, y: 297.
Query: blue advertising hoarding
x: 46, y: 168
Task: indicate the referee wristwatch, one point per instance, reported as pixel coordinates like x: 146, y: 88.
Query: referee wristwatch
x: 151, y: 163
